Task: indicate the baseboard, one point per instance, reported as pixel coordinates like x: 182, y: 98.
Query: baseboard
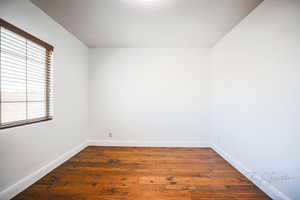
x: 264, y: 185
x: 18, y: 187
x: 131, y: 143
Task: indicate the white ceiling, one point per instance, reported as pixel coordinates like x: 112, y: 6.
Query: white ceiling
x: 148, y: 23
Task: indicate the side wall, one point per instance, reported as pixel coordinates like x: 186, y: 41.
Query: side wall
x: 25, y: 149
x: 256, y: 98
x: 149, y: 96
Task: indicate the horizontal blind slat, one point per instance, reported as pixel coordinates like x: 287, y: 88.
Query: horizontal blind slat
x: 19, y: 55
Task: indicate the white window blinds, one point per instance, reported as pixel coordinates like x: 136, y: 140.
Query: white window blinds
x: 24, y: 77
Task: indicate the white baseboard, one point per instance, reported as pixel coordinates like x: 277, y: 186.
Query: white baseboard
x: 131, y: 143
x: 264, y: 185
x: 21, y: 185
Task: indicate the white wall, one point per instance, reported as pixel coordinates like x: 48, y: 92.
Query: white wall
x: 256, y: 98
x: 27, y: 148
x: 149, y: 95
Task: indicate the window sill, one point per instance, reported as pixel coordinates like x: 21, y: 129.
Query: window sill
x: 23, y: 123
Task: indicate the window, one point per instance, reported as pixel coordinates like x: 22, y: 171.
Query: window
x: 25, y: 74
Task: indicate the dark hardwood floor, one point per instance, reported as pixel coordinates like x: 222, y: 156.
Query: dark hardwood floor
x: 122, y: 173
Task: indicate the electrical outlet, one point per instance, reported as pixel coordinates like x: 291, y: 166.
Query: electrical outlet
x: 110, y: 135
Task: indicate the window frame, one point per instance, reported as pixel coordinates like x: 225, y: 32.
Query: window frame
x: 49, y: 50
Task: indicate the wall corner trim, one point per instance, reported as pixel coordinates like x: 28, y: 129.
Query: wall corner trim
x: 264, y: 185
x: 21, y: 185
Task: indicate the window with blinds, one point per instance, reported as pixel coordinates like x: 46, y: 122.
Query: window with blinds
x: 25, y: 74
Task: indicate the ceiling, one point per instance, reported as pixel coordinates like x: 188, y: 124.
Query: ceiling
x: 148, y: 23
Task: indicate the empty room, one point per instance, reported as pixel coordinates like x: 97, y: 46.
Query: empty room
x: 149, y: 99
